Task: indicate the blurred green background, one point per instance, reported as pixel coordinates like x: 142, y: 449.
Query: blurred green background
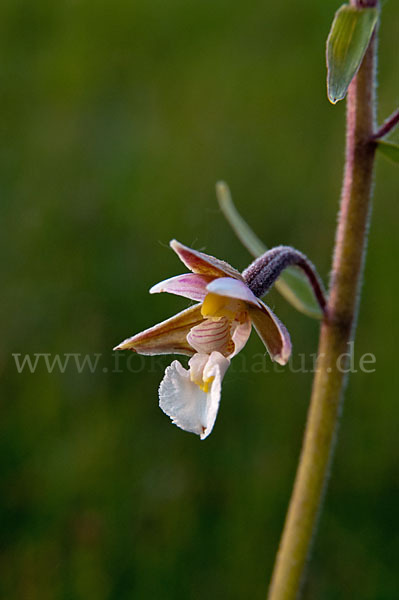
x: 116, y: 121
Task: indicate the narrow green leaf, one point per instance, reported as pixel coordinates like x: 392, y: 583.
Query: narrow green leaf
x: 293, y: 285
x: 347, y: 42
x: 389, y: 150
x: 243, y: 231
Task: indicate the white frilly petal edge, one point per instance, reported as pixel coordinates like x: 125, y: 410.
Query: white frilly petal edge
x: 185, y: 403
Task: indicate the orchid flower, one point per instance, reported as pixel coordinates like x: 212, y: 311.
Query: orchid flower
x: 211, y: 332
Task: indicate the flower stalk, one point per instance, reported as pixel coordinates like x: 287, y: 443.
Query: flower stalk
x: 388, y: 126
x: 265, y: 270
x: 337, y: 331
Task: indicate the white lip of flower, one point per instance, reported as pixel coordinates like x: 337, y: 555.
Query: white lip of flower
x: 211, y: 333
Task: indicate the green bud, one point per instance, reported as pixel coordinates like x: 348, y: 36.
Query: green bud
x: 347, y: 43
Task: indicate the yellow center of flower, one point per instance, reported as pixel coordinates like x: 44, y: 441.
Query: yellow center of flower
x: 206, y: 384
x: 203, y: 384
x: 215, y: 307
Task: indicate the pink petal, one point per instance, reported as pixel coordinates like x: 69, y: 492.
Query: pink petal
x: 203, y: 264
x: 240, y: 336
x: 168, y: 337
x: 232, y: 288
x: 272, y: 333
x: 211, y: 335
x: 188, y: 285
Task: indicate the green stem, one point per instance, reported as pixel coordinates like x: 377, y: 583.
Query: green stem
x: 336, y: 332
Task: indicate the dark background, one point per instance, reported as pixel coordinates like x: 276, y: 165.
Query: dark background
x: 116, y: 121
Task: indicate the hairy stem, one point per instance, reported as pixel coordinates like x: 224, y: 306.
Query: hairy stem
x: 265, y: 270
x: 336, y: 332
